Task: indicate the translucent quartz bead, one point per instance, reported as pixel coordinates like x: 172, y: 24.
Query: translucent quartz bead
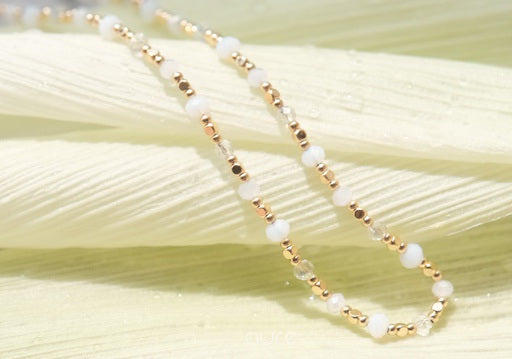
x: 288, y: 114
x: 377, y: 230
x: 303, y: 270
x: 136, y: 43
x: 313, y: 156
x: 224, y: 149
x: 256, y: 77
x: 378, y: 325
x: 249, y: 190
x: 412, y: 257
x: 227, y: 46
x: 106, y: 26
x: 335, y: 303
x: 423, y: 326
x: 443, y: 288
x: 278, y: 230
x: 341, y: 196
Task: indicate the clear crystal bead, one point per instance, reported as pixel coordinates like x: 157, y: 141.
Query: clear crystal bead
x: 223, y: 149
x: 423, y: 326
x: 303, y: 270
x: 377, y: 230
x: 287, y: 113
x: 136, y: 43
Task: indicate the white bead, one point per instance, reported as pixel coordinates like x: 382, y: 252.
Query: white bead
x: 106, y: 26
x: 335, y: 303
x: 377, y: 230
x: 303, y: 270
x: 378, y: 325
x: 197, y: 106
x: 256, y: 77
x: 313, y: 156
x: 173, y: 24
x: 278, y: 230
x: 148, y: 11
x: 79, y: 16
x: 443, y: 288
x: 137, y: 42
x: 168, y: 68
x: 412, y: 257
x: 341, y: 196
x: 227, y: 46
x: 30, y: 16
x: 249, y: 190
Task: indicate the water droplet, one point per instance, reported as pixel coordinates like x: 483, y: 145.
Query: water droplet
x: 352, y: 103
x: 314, y: 112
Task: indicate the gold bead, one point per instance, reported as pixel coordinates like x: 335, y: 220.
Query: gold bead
x: 183, y: 85
x: 353, y: 205
x: 299, y: 135
x: 437, y: 276
x: 285, y: 242
x: 443, y: 301
x: 387, y: 238
x: 290, y: 251
x: 244, y: 177
x: 177, y: 77
x: 321, y: 167
x: 392, y: 329
x: 393, y: 244
x: 411, y: 329
x: 353, y: 316
x: 359, y: 213
x: 334, y: 184
x: 256, y: 202
x: 304, y: 144
x: 270, y: 218
x: 232, y: 159
x: 262, y: 210
x: 327, y: 177
x: 158, y: 59
x: 293, y: 125
x: 237, y: 168
x: 209, y: 129
x: 190, y: 92
x: 345, y: 311
x: 312, y: 280
x: 295, y: 260
x: 249, y: 66
x: 265, y: 86
x: 402, y: 248
x: 401, y: 330
x: 326, y: 294
x: 278, y: 103
x: 318, y: 287
x: 271, y: 95
x: 437, y: 307
x: 216, y: 138
x: 423, y: 262
x: 428, y: 268
x: 363, y: 320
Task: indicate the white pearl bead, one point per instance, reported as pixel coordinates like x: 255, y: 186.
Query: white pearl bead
x: 249, y: 190
x: 378, y: 325
x: 278, y: 230
x: 313, y: 156
x: 335, y: 303
x: 341, y: 196
x: 412, y: 257
x: 168, y: 68
x: 106, y: 26
x: 227, y: 46
x: 303, y: 270
x: 197, y: 106
x: 256, y: 77
x: 30, y: 16
x: 148, y: 11
x: 443, y: 288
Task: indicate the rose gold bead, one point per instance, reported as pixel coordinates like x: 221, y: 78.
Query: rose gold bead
x: 293, y: 125
x: 271, y: 95
x: 205, y: 119
x: 437, y: 276
x: 387, y: 238
x: 249, y: 66
x: 359, y: 213
x: 353, y: 316
x: 393, y: 244
x: 244, y: 176
x: 363, y: 320
x: 285, y: 243
x: 265, y: 86
x: 237, y: 168
x: 428, y: 269
x: 241, y: 60
x: 158, y: 59
x: 270, y: 218
x: 392, y: 329
x: 232, y: 159
x: 423, y: 262
x: 402, y: 247
x: 256, y: 202
x: 318, y: 287
x: 321, y: 167
x: 295, y: 260
x: 334, y: 184
x: 304, y: 144
x: 278, y: 103
x: 345, y: 310
x: 367, y: 220
x: 262, y: 210
x: 401, y: 330
x: 216, y: 138
x: 290, y: 251
x: 235, y: 55
x: 411, y: 329
x: 299, y: 135
x: 312, y: 280
x: 326, y: 294
x: 183, y: 85
x: 327, y: 177
x: 353, y: 205
x: 177, y: 77
x: 210, y: 129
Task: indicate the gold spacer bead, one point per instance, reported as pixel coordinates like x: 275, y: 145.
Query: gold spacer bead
x: 312, y: 280
x: 393, y: 244
x: 353, y: 316
x: 293, y: 125
x: 299, y: 135
x: 285, y: 242
x: 437, y: 307
x: 159, y: 59
x: 363, y: 320
x: 353, y: 205
x: 437, y: 276
x: 428, y: 269
x: 241, y: 60
x: 423, y: 262
x: 326, y: 294
x: 244, y: 176
x: 402, y: 248
x: 359, y: 213
x: 205, y: 119
x: 304, y: 144
x: 387, y: 238
x: 334, y: 184
x: 262, y: 210
x: 367, y: 220
x: 443, y: 301
x: 237, y: 168
x: 270, y: 218
x: 216, y: 138
x: 290, y: 251
x: 183, y: 85
x: 256, y: 202
x: 318, y: 287
x: 232, y: 159
x: 190, y: 92
x: 295, y: 260
x: 209, y: 129
x: 265, y: 86
x: 392, y: 329
x: 271, y: 95
x: 327, y: 177
x: 345, y: 310
x: 249, y: 66
x: 434, y: 316
x: 401, y: 330
x: 411, y: 329
x: 321, y: 167
x: 177, y: 77
x: 278, y: 103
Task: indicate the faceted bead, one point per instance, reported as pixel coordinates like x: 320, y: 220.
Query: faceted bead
x: 303, y: 270
x: 168, y: 68
x: 227, y: 46
x: 423, y: 326
x: 256, y: 77
x: 341, y: 196
x: 288, y: 113
x: 335, y: 303
x: 412, y: 257
x: 278, y: 230
x: 377, y: 230
x: 224, y: 149
x: 106, y: 26
x: 378, y: 325
x: 137, y: 42
x: 313, y: 156
x: 249, y: 190
x: 443, y: 288
x: 197, y: 106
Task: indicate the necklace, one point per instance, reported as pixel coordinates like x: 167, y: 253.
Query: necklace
x: 277, y: 230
